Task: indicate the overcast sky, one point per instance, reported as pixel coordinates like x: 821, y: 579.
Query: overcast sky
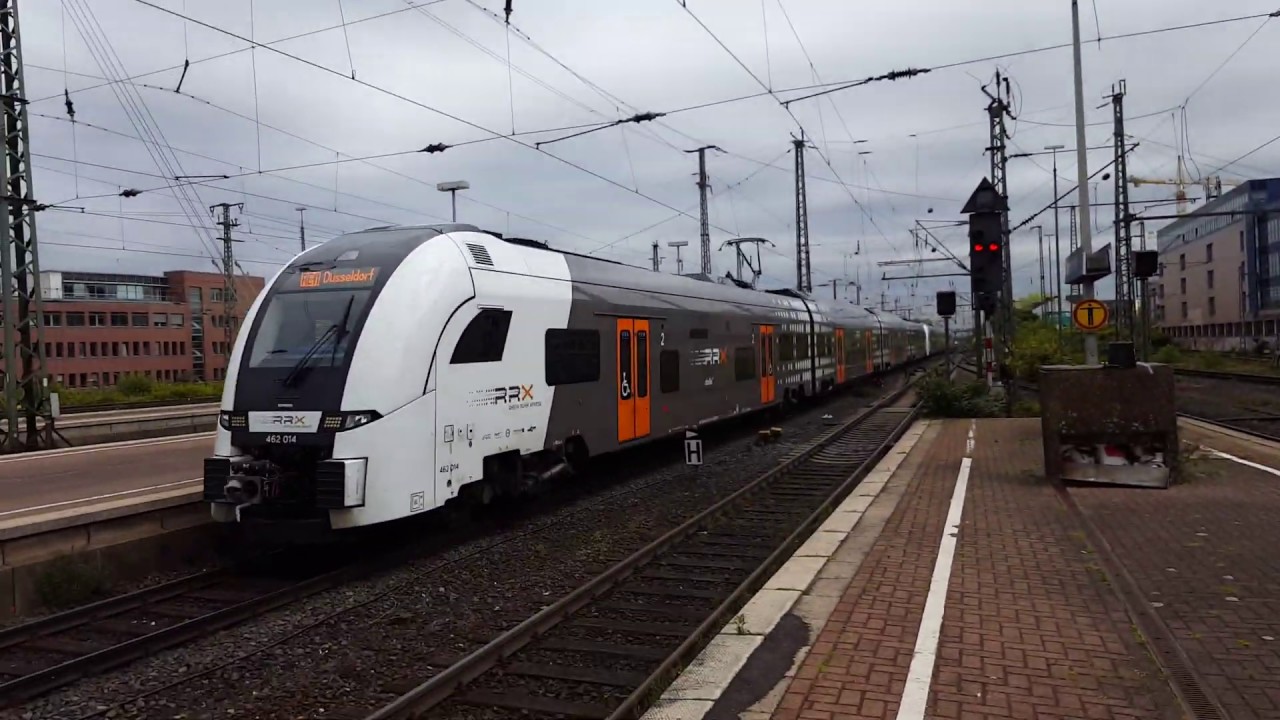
x: 594, y: 62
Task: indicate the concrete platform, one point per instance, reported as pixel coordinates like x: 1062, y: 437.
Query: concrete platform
x: 969, y: 587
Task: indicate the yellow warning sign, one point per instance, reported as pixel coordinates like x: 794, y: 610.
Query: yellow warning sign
x: 1090, y: 315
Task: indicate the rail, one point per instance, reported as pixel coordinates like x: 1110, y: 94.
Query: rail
x: 807, y: 486
x: 140, y: 405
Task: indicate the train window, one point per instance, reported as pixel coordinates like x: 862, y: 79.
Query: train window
x: 669, y: 371
x: 787, y: 348
x: 642, y: 363
x: 484, y: 339
x: 573, y: 356
x: 744, y: 363
x: 802, y: 347
x: 698, y: 334
x: 624, y: 365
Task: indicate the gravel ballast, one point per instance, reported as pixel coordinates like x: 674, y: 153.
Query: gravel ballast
x: 389, y: 632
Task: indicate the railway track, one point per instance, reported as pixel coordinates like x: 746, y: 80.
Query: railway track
x: 607, y: 648
x: 46, y: 654
x: 140, y: 405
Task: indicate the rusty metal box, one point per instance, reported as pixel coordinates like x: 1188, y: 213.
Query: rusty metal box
x: 1109, y: 425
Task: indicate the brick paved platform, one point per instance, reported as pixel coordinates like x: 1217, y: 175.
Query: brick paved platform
x: 972, y: 588
x: 1206, y: 555
x: 1030, y: 628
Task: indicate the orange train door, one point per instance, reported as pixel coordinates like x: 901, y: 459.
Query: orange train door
x: 633, y: 379
x: 839, y: 356
x: 768, y: 382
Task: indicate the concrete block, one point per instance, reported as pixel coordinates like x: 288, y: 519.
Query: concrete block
x: 763, y: 612
x: 795, y: 574
x: 840, y: 521
x: 125, y: 529
x: 710, y: 673
x: 186, y: 516
x: 820, y: 544
x: 678, y: 710
x: 45, y: 546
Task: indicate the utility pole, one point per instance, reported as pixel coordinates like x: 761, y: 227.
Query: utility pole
x: 228, y: 271
x: 1057, y: 244
x: 705, y: 220
x: 1082, y: 170
x: 1040, y: 243
x: 657, y: 261
x: 302, y: 229
x: 804, y: 270
x: 1124, y: 236
x: 25, y: 394
x: 997, y: 111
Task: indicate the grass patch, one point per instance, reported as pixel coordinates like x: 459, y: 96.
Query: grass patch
x: 138, y: 388
x: 944, y: 398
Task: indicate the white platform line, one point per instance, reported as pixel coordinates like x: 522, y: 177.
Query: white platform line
x: 105, y: 447
x: 915, y: 695
x: 135, y: 491
x: 1242, y: 461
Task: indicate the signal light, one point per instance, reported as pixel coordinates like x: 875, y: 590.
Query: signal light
x: 993, y: 247
x: 977, y: 247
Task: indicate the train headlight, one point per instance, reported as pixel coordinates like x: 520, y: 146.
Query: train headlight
x: 351, y: 420
x: 228, y: 420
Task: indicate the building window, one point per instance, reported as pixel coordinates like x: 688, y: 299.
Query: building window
x: 75, y: 319
x: 1160, y: 289
x: 669, y: 371
x: 1184, y: 310
x: 146, y: 347
x: 139, y: 320
x: 182, y: 348
x: 159, y: 320
x: 52, y: 319
x: 1182, y: 261
x: 1208, y: 252
x: 1209, y: 279
x: 1241, y: 241
x: 215, y: 295
x: 1182, y: 284
x: 93, y: 349
x: 572, y: 356
x: 744, y: 364
x: 1213, y: 307
x: 119, y: 319
x: 175, y: 320
x: 137, y: 348
x: 83, y: 354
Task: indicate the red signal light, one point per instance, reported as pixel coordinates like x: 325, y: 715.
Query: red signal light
x: 977, y: 247
x: 993, y: 247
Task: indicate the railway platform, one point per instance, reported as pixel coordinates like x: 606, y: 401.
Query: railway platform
x: 133, y: 507
x: 964, y: 585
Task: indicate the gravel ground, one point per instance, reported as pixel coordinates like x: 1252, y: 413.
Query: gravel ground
x: 394, y: 630
x: 1214, y: 398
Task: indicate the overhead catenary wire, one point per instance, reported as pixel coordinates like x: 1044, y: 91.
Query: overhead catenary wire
x: 424, y: 106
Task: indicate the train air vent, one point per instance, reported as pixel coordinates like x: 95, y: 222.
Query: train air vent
x: 330, y: 479
x: 480, y: 254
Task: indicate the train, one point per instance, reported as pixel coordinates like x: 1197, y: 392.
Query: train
x: 391, y: 371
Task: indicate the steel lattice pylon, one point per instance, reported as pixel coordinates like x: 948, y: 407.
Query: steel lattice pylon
x: 804, y: 271
x: 25, y: 395
x: 1124, y: 236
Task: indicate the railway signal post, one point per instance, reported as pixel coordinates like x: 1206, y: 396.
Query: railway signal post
x: 986, y: 208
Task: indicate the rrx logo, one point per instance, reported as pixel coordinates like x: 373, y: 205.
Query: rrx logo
x: 508, y: 394
x: 292, y: 421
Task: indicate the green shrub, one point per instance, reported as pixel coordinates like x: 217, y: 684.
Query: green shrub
x: 135, y: 385
x: 1169, y: 355
x: 940, y: 397
x: 71, y: 580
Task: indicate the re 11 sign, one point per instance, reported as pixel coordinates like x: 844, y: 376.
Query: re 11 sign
x: 692, y: 448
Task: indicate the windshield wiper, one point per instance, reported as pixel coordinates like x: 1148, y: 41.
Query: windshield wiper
x: 342, y: 330
x: 296, y: 373
x: 336, y: 331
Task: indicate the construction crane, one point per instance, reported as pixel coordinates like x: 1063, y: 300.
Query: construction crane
x: 1212, y: 185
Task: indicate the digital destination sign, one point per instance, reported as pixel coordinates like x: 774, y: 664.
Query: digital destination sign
x: 338, y: 277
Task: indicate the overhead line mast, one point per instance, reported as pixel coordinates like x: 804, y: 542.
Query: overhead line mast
x: 27, y: 408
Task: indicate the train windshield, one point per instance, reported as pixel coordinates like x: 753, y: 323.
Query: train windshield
x: 300, y: 322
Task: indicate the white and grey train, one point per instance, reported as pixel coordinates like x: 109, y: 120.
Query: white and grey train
x: 392, y: 370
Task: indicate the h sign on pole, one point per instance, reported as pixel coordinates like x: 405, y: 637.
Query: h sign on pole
x: 692, y: 448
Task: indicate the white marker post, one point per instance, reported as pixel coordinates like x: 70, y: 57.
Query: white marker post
x: 693, y: 453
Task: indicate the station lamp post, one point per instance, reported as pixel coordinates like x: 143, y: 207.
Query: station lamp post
x: 452, y: 188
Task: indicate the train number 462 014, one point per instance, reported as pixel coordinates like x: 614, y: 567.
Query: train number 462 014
x: 282, y: 439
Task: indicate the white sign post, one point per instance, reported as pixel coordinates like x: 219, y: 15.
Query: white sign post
x: 692, y: 448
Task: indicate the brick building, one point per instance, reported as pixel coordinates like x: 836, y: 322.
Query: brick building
x: 1219, y: 282
x: 98, y: 326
